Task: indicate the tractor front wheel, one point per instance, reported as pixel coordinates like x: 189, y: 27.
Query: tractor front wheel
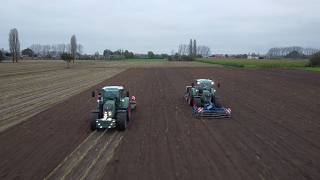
x: 93, y: 121
x: 128, y: 114
x: 121, y: 121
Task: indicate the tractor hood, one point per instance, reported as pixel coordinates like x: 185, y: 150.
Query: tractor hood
x: 109, y: 108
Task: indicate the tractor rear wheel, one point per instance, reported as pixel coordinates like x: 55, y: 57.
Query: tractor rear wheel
x: 93, y: 124
x: 121, y: 121
x: 190, y: 100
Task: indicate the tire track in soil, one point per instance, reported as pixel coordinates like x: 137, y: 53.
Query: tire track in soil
x: 217, y: 163
x: 182, y: 135
x: 95, y: 171
x: 253, y: 144
x: 179, y: 155
x: 143, y: 150
x: 281, y: 140
x: 88, y: 154
x: 276, y: 150
x: 218, y: 154
x: 81, y: 163
x: 32, y: 149
x: 24, y: 106
x: 166, y: 142
x: 74, y: 158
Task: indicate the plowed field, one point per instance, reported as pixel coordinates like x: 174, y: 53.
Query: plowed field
x: 274, y: 132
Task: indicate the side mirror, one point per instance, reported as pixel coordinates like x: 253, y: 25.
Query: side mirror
x: 192, y: 84
x: 127, y: 94
x: 133, y: 103
x: 93, y: 94
x: 99, y: 96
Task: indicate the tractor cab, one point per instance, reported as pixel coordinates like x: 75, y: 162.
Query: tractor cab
x: 201, y: 95
x: 112, y: 92
x: 203, y: 85
x: 115, y: 93
x: 113, y: 108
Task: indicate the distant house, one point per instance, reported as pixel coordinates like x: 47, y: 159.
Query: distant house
x: 217, y: 56
x: 253, y: 56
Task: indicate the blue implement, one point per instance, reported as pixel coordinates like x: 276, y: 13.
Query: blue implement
x: 210, y: 111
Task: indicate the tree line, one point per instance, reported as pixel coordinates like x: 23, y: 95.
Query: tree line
x: 188, y: 52
x: 67, y: 52
x: 126, y: 54
x: 193, y: 50
x: 292, y: 51
x: 49, y: 51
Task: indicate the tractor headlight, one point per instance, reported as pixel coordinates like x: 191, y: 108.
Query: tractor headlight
x: 108, y: 113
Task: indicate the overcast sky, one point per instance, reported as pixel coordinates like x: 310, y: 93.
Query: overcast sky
x: 226, y: 26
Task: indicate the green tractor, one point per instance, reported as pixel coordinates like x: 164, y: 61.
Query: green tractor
x: 201, y: 95
x: 114, y: 108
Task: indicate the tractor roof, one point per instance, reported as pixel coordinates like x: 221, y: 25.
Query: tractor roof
x: 204, y: 80
x: 112, y: 87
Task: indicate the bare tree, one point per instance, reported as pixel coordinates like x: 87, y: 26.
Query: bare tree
x: 80, y: 49
x: 68, y: 48
x: 36, y: 48
x: 194, y: 48
x: 190, y: 48
x: 73, y: 47
x: 204, y: 51
x: 96, y: 55
x: 279, y: 52
x: 61, y: 48
x: 180, y: 49
x: 14, y: 44
x: 183, y: 49
x: 46, y: 50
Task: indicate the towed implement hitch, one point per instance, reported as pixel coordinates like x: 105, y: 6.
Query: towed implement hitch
x: 213, y: 112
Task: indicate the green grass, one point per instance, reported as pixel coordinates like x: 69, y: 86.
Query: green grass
x: 316, y: 69
x: 136, y: 59
x: 263, y: 64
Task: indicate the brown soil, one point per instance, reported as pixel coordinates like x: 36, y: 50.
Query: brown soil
x: 273, y: 132
x: 29, y: 87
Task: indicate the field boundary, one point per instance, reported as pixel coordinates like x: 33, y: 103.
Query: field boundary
x: 262, y: 64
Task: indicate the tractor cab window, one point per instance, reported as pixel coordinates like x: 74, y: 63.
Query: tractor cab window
x: 123, y: 93
x: 111, y: 94
x: 205, y: 85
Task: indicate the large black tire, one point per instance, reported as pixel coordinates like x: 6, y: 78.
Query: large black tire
x: 190, y: 100
x: 93, y: 124
x: 121, y: 122
x: 100, y: 114
x: 128, y: 115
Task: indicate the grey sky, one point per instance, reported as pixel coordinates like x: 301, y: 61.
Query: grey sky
x: 229, y: 26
